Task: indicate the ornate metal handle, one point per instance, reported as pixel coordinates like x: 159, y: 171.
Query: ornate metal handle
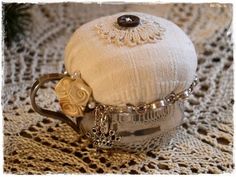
x: 56, y: 115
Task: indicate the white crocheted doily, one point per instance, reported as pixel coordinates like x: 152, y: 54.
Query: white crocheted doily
x: 34, y: 144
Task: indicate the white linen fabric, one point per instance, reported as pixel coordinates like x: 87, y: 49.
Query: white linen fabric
x: 131, y: 74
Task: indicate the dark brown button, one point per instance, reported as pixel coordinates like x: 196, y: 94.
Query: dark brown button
x: 128, y: 21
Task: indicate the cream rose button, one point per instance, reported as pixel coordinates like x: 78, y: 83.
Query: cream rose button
x: 73, y: 95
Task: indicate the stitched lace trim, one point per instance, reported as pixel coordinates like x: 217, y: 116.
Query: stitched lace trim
x: 148, y: 31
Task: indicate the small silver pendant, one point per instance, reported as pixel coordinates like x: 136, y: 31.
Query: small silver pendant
x: 102, y: 135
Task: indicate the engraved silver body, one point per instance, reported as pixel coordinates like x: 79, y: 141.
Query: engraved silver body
x: 139, y: 132
x: 136, y: 128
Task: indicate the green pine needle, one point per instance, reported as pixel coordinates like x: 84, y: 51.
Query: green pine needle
x: 16, y: 20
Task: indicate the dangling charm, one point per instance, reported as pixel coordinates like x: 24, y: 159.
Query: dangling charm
x: 102, y: 136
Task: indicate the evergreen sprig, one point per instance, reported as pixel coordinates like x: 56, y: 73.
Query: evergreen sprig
x: 16, y: 19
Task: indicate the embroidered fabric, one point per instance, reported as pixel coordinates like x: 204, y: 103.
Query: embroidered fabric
x: 148, y: 31
x: 37, y: 145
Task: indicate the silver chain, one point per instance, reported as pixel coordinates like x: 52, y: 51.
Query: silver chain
x: 144, y: 107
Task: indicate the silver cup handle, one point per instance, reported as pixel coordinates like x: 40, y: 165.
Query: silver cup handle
x: 44, y: 112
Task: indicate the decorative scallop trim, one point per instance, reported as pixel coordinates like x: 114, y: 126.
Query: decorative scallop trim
x: 148, y: 31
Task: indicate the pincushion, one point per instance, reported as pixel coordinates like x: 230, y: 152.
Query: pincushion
x: 131, y: 65
x: 127, y: 75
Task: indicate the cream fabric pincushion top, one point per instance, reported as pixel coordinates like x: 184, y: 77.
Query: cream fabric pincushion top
x: 133, y: 65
